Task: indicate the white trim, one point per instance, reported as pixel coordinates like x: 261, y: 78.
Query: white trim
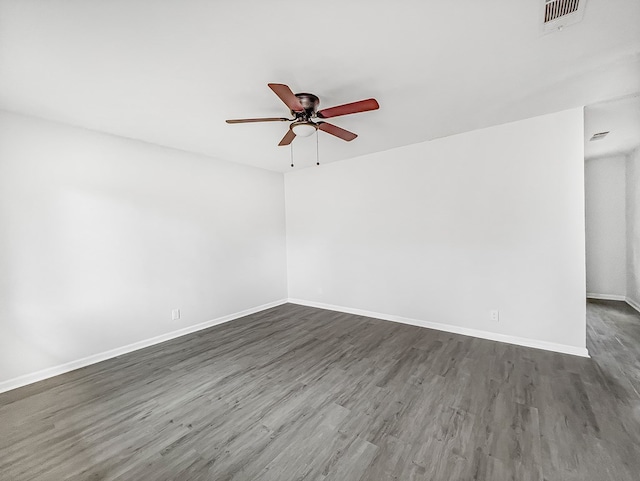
x: 95, y: 358
x: 492, y: 336
x: 633, y: 303
x: 605, y: 297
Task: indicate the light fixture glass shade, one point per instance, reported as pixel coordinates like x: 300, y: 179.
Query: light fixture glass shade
x: 304, y: 129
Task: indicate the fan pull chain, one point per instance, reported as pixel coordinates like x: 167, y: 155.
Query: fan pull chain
x: 291, y: 150
x: 317, y: 150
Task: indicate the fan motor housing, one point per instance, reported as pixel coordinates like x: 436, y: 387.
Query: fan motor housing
x: 310, y: 102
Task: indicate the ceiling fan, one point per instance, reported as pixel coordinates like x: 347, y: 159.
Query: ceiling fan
x: 304, y: 108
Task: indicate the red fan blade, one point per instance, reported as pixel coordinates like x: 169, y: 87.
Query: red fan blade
x: 352, y: 108
x: 288, y: 138
x: 337, y: 131
x: 265, y: 119
x: 287, y: 96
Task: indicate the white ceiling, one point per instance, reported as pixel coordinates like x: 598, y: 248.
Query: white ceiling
x: 171, y: 71
x: 621, y: 118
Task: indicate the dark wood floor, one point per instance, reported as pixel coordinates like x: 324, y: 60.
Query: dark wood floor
x: 299, y: 393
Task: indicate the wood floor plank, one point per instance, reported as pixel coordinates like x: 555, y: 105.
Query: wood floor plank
x: 302, y: 393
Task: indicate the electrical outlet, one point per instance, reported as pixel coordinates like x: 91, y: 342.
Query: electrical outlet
x: 175, y: 314
x: 494, y: 315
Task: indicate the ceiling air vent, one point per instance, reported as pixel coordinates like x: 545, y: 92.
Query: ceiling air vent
x: 557, y: 8
x: 599, y: 136
x: 560, y: 13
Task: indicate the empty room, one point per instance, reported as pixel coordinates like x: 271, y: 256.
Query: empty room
x: 341, y: 240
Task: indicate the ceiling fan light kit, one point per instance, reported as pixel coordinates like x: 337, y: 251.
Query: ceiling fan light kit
x: 306, y: 116
x: 303, y: 129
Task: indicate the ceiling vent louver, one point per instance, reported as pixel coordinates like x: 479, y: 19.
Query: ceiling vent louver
x: 599, y: 136
x: 557, y: 8
x: 561, y: 13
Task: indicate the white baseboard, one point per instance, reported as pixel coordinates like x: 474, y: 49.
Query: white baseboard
x: 605, y: 297
x: 633, y: 303
x: 103, y: 356
x: 492, y: 336
x: 614, y: 297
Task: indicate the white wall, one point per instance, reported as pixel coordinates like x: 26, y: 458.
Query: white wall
x: 606, y: 226
x: 100, y: 237
x: 445, y: 231
x: 633, y: 228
